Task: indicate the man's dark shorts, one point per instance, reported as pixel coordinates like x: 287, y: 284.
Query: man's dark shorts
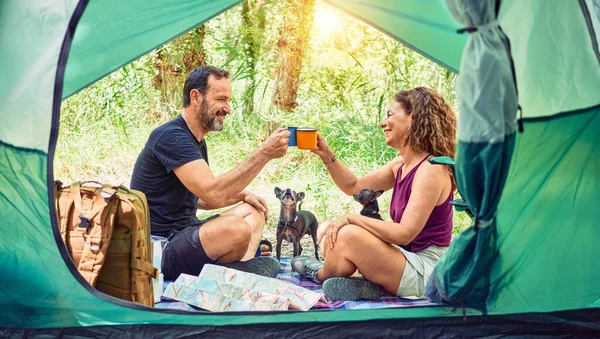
x: 184, y: 252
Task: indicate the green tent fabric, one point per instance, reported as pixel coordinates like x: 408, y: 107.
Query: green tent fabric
x: 425, y: 26
x: 487, y: 97
x: 483, y: 161
x: 547, y: 218
x: 130, y: 29
x: 28, y: 62
x: 553, y: 82
x: 548, y: 223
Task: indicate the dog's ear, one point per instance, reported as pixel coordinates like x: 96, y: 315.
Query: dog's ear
x: 278, y: 192
x: 299, y: 196
x: 378, y: 193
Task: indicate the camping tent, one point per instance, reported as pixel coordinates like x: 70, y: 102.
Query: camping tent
x: 540, y: 274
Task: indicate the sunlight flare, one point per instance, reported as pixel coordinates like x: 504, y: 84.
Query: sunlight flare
x: 327, y: 21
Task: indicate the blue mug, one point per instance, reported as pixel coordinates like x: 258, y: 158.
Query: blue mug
x: 292, y: 141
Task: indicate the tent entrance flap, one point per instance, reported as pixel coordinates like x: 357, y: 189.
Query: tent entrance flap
x: 487, y: 98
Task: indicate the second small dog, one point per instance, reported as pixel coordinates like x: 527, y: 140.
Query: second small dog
x: 294, y: 224
x: 368, y: 199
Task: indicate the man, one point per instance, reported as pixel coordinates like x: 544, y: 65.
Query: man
x: 172, y: 170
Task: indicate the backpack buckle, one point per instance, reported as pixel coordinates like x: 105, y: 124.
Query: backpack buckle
x: 107, y: 194
x: 84, y: 222
x: 95, y: 247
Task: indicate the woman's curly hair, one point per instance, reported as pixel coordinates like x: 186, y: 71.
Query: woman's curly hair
x: 433, y: 126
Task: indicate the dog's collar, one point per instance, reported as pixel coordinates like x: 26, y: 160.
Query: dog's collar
x: 289, y: 223
x: 368, y: 212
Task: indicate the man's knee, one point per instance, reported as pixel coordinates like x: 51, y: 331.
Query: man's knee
x: 227, y: 235
x: 227, y: 229
x: 258, y: 217
x: 257, y: 213
x: 245, y: 210
x: 237, y: 229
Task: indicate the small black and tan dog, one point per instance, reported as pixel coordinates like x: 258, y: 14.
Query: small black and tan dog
x: 368, y: 199
x: 294, y: 224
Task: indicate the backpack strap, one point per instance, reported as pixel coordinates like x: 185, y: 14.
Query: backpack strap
x: 63, y: 206
x: 144, y: 266
x: 85, y: 215
x: 98, y: 219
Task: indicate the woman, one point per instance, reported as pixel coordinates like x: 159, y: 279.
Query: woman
x: 397, y: 256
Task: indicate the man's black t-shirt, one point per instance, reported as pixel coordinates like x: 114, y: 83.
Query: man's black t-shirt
x: 172, y: 205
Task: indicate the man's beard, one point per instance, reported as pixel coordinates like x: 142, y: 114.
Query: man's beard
x: 209, y: 121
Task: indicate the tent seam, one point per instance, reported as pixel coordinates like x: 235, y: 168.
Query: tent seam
x: 590, y: 25
x: 562, y: 114
x: 23, y: 149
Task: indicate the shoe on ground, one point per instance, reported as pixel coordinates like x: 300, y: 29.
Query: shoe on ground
x: 307, y: 267
x: 350, y: 289
x: 265, y: 266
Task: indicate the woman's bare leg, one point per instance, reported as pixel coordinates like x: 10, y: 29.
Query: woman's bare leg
x: 321, y: 230
x: 323, y: 241
x: 356, y: 248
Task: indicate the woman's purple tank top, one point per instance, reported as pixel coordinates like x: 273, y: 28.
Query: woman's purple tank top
x: 438, y: 228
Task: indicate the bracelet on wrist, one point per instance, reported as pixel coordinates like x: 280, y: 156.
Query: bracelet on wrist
x: 331, y: 161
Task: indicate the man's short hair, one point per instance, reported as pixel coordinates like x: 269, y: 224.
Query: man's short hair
x: 198, y: 79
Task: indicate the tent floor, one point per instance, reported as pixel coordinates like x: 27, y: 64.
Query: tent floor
x: 575, y: 323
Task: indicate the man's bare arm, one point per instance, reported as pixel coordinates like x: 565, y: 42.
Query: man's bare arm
x: 203, y: 205
x: 216, y: 192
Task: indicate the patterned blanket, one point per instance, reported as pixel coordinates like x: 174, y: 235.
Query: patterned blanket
x: 286, y: 274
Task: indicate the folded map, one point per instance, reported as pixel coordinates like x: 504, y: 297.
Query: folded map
x: 222, y: 289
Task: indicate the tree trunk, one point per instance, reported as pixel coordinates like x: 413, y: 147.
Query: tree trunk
x: 294, y: 39
x: 252, y: 31
x: 175, y: 60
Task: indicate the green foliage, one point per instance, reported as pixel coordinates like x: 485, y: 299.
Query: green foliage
x: 347, y: 81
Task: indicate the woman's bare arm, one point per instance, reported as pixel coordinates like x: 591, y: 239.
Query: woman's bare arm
x: 379, y: 179
x: 429, y: 184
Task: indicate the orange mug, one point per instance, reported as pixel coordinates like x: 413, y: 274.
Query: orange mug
x: 306, y: 138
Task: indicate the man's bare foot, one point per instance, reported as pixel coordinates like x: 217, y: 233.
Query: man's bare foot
x: 265, y: 251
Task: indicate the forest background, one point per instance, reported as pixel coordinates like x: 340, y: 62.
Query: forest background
x: 292, y: 63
